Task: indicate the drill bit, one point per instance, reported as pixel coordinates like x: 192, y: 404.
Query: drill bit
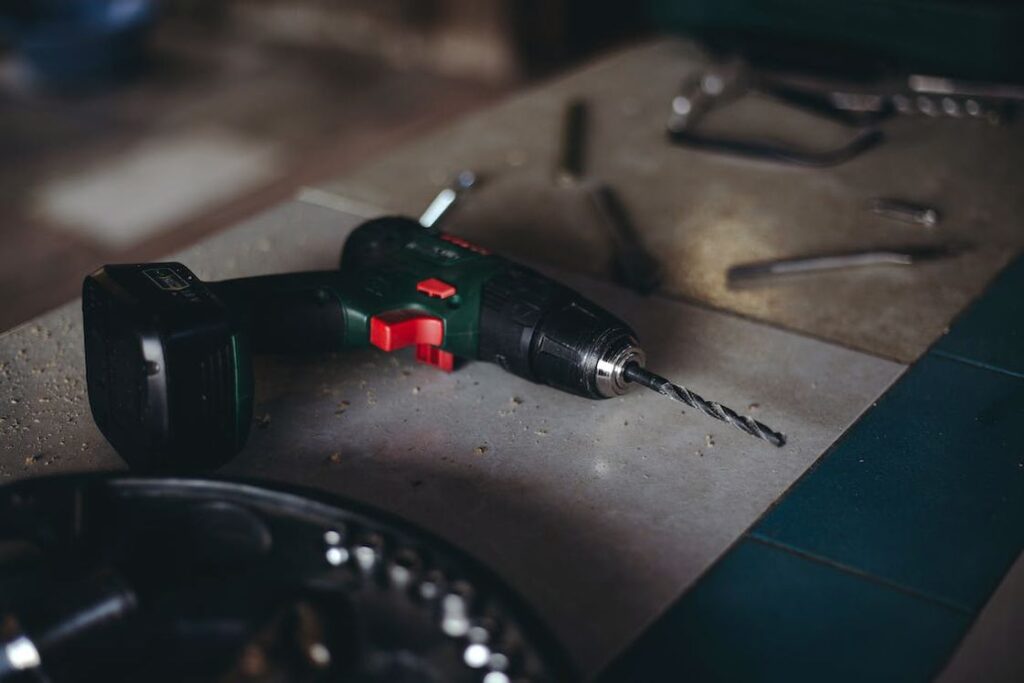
x: 634, y: 373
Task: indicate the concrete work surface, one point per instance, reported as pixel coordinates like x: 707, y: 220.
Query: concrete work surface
x: 602, y: 513
x: 598, y: 512
x: 702, y: 212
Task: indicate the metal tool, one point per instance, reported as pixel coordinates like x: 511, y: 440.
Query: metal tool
x: 862, y: 106
x: 442, y: 204
x: 702, y: 93
x: 65, y: 622
x: 167, y: 356
x: 633, y: 265
x: 572, y: 150
x: 635, y: 373
x: 747, y: 272
x: 908, y: 212
x: 223, y: 581
x: 942, y: 85
x: 874, y: 102
x: 951, y: 107
x: 942, y: 96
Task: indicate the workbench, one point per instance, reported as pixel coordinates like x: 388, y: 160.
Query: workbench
x: 653, y: 541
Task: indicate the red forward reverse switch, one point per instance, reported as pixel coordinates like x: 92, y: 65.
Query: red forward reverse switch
x: 395, y: 330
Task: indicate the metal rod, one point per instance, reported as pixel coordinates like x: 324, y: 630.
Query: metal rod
x: 908, y: 212
x: 572, y: 153
x: 634, y: 373
x: 941, y: 85
x: 635, y: 266
x: 741, y: 274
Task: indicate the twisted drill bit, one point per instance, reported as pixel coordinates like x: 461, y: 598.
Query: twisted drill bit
x: 634, y: 373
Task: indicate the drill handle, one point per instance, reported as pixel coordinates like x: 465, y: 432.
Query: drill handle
x: 288, y: 313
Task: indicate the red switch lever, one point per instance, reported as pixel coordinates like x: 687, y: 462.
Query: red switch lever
x: 397, y: 329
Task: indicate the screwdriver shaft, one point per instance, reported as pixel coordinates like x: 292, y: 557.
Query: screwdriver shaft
x: 634, y: 373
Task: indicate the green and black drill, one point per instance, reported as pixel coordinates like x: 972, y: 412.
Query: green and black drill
x: 168, y: 356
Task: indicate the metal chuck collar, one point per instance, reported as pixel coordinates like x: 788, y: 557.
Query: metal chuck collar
x: 609, y: 372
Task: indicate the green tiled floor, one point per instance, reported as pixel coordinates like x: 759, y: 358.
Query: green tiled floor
x: 875, y: 563
x: 991, y: 333
x: 927, y: 491
x: 749, y: 620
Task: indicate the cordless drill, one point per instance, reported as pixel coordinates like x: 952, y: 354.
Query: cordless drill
x: 168, y: 356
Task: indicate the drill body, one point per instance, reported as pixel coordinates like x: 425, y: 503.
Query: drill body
x: 167, y: 354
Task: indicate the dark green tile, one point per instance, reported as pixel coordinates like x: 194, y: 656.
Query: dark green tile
x: 764, y: 614
x: 991, y: 332
x: 926, y: 491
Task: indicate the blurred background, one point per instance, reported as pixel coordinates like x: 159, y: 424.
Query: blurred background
x: 130, y: 128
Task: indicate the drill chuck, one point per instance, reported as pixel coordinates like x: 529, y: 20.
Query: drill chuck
x: 611, y: 378
x: 538, y: 329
